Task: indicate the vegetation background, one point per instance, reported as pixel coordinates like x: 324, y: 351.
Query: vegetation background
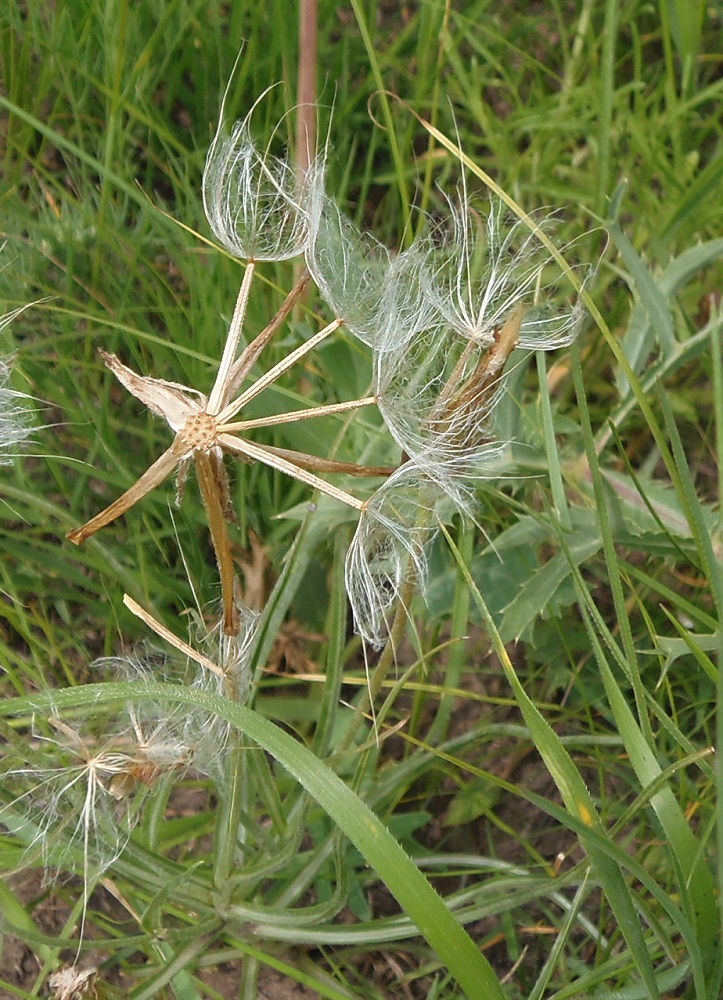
x: 544, y: 742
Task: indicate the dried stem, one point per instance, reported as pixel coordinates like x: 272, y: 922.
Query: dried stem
x: 306, y: 89
x: 304, y: 461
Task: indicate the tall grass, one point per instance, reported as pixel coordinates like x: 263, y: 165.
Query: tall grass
x: 532, y: 810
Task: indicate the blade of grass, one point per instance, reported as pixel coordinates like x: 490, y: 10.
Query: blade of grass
x: 400, y: 170
x: 574, y: 792
x: 553, y: 461
x: 695, y: 882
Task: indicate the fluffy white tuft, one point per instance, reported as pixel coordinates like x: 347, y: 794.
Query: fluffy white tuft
x: 255, y: 202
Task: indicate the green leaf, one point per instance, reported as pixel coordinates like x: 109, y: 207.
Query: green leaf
x: 655, y: 292
x: 477, y: 798
x: 653, y: 302
x: 539, y: 594
x: 663, y: 504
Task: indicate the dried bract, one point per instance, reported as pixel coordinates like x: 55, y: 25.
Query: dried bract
x: 205, y: 430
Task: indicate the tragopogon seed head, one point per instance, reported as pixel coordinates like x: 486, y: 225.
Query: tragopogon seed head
x: 171, y: 737
x: 492, y: 267
x: 14, y: 416
x: 437, y: 395
x: 75, y: 787
x: 63, y: 797
x: 388, y: 548
x: 255, y: 202
x: 349, y: 267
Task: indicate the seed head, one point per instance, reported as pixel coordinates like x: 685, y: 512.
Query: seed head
x: 14, y: 423
x: 76, y: 787
x: 14, y: 413
x: 255, y: 202
x: 388, y: 548
x: 349, y: 267
x: 464, y: 306
x: 489, y: 269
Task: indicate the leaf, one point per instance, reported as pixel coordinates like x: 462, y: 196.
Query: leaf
x: 663, y: 503
x: 651, y: 321
x: 652, y: 300
x: 540, y: 592
x: 477, y: 798
x: 576, y: 797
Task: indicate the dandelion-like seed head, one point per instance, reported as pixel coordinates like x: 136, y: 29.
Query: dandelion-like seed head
x: 231, y: 653
x: 438, y: 387
x: 349, y: 267
x: 465, y: 305
x: 388, y: 548
x: 14, y: 415
x: 66, y: 804
x: 255, y: 202
x: 492, y: 267
x: 171, y: 738
x: 442, y: 318
x: 79, y: 782
x: 437, y: 395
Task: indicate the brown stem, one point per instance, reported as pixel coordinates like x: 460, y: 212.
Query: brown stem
x: 306, y: 89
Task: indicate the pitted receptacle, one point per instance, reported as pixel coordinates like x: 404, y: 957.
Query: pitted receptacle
x: 199, y: 432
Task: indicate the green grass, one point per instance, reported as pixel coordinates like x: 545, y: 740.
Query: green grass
x: 542, y: 742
